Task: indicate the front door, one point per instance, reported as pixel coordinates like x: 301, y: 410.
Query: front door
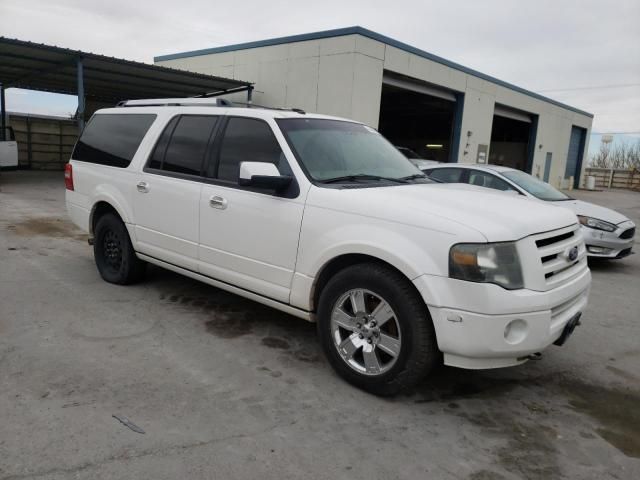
x: 167, y: 196
x: 248, y: 238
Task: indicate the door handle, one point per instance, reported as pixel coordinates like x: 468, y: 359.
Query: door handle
x: 143, y: 187
x: 218, y: 202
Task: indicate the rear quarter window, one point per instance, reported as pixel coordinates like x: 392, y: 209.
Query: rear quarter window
x: 112, y: 139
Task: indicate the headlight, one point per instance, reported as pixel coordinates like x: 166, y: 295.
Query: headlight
x: 487, y: 263
x: 597, y: 224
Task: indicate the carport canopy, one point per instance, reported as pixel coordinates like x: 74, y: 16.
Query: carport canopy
x: 48, y: 68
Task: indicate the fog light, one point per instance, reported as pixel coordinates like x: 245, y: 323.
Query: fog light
x: 594, y: 249
x: 515, y: 331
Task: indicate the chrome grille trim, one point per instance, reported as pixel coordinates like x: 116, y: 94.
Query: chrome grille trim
x: 550, y: 264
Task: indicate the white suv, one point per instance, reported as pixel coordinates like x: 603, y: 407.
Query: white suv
x: 322, y: 218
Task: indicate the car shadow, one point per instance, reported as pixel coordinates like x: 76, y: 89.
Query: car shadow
x: 229, y: 316
x: 622, y: 265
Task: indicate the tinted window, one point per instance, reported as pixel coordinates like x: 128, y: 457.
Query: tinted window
x: 483, y: 179
x: 445, y: 175
x: 248, y: 140
x: 112, y: 139
x: 188, y: 144
x: 161, y: 147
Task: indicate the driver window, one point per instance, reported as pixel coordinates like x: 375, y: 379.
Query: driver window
x: 248, y: 140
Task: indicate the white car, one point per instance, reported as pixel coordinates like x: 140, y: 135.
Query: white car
x: 607, y: 233
x: 323, y: 219
x: 8, y: 149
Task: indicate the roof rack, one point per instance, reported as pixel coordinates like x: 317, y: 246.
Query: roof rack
x: 177, y: 102
x: 255, y: 105
x: 199, y: 102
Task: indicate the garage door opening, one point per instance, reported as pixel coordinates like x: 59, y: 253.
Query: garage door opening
x: 512, y: 137
x: 418, y: 117
x: 575, y: 154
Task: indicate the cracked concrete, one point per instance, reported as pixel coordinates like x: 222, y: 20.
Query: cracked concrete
x: 225, y: 388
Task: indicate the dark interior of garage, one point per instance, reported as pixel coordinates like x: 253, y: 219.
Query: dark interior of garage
x: 509, y: 142
x: 421, y: 122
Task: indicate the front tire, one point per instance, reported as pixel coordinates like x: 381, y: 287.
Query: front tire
x: 376, y: 330
x: 113, y: 252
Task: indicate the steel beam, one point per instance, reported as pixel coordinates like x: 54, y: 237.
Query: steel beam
x: 3, y: 113
x: 80, y: 92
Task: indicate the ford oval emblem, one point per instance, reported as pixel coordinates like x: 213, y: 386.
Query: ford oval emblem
x: 572, y: 254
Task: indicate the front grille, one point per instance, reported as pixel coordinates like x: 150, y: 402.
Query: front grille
x: 553, y: 250
x: 560, y: 270
x: 629, y: 233
x: 543, y: 242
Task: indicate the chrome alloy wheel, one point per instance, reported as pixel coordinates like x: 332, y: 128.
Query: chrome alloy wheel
x: 366, y: 332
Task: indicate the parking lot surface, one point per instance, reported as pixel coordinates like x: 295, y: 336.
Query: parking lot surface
x: 225, y: 388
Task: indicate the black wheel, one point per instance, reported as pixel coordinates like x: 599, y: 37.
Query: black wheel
x: 114, y: 254
x: 376, y: 330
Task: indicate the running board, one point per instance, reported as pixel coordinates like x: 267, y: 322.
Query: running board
x: 229, y: 288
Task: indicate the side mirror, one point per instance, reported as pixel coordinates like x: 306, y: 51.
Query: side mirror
x: 262, y: 175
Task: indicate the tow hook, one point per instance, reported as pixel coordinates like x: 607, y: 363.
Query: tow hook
x: 535, y: 356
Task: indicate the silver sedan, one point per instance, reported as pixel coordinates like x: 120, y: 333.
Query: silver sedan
x: 607, y: 233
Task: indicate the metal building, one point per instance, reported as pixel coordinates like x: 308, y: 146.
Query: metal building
x: 441, y: 110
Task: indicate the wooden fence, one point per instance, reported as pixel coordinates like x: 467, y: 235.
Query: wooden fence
x: 44, y: 143
x: 613, y: 178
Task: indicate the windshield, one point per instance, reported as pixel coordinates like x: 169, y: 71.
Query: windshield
x: 346, y: 152
x: 535, y: 187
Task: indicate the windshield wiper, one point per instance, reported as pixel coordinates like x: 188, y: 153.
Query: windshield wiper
x: 415, y: 176
x: 361, y: 176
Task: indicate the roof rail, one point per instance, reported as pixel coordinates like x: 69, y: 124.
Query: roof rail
x: 177, y: 102
x: 199, y: 102
x: 282, y: 109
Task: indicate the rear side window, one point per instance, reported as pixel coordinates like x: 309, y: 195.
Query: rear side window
x: 183, y: 144
x: 248, y: 140
x: 112, y: 139
x: 488, y: 180
x: 446, y: 175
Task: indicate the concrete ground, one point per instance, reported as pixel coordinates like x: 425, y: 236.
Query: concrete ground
x: 224, y: 388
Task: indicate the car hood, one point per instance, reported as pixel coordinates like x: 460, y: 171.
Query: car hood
x: 496, y: 215
x: 592, y: 210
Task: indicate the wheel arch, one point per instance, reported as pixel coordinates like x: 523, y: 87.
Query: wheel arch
x: 99, y: 209
x: 109, y: 196
x: 339, y: 263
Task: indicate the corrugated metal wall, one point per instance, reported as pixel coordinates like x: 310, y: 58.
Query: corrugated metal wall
x: 44, y: 143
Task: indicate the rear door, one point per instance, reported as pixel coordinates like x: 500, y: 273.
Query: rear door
x: 167, y: 196
x: 249, y: 237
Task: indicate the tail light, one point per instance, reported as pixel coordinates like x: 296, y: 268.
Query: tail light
x: 68, y: 176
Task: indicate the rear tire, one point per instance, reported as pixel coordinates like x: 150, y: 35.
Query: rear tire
x: 114, y: 255
x: 376, y: 330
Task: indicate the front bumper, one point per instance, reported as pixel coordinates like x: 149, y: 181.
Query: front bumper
x: 603, y: 244
x: 481, y: 326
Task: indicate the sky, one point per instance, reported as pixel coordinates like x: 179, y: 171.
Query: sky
x: 584, y: 53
